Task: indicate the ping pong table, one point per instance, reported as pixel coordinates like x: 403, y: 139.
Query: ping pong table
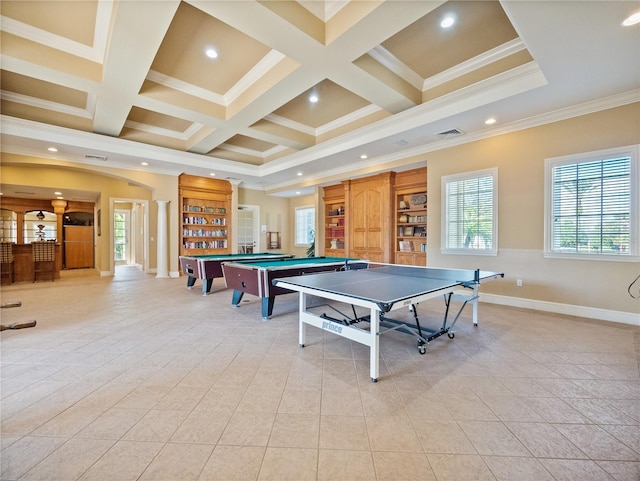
x: 382, y: 288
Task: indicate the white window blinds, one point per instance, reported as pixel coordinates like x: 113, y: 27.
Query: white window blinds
x: 470, y: 212
x: 591, y: 206
x: 305, y: 225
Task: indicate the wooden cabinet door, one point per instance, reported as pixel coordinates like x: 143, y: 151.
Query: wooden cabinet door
x: 78, y: 246
x: 370, y: 234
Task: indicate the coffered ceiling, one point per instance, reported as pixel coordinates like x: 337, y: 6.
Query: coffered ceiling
x: 118, y: 83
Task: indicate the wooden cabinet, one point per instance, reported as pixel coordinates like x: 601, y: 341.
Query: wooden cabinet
x: 370, y: 234
x: 335, y: 226
x: 382, y: 218
x: 78, y: 246
x: 410, y: 213
x: 205, y: 220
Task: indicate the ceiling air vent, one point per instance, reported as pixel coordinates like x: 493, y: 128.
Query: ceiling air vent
x: 447, y: 134
x: 95, y: 157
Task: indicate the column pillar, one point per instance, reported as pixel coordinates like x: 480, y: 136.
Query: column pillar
x: 162, y: 249
x: 59, y: 206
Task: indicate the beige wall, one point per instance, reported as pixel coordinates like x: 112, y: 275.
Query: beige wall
x: 301, y: 201
x: 270, y: 209
x: 520, y: 159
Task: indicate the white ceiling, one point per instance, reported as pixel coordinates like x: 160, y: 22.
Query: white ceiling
x: 126, y: 94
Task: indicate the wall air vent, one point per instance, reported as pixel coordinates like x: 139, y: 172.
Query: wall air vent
x: 447, y: 134
x: 95, y: 157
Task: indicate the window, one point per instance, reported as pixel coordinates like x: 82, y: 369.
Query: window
x: 305, y: 225
x: 471, y: 215
x: 592, y: 205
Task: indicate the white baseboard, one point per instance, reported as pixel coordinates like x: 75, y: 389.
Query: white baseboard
x: 571, y: 310
x: 106, y: 273
x: 174, y: 274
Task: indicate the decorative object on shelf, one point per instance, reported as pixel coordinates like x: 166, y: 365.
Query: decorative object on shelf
x: 40, y: 216
x: 406, y: 246
x: 403, y: 205
x: 418, y: 199
x: 403, y: 218
x: 408, y: 230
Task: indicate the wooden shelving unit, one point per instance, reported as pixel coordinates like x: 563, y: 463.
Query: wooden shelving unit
x: 411, y: 217
x: 335, y: 221
x: 205, y: 218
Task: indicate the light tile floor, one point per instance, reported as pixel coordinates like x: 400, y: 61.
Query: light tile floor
x: 137, y: 378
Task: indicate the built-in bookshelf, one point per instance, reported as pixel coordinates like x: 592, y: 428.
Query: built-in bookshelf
x: 411, y: 217
x: 335, y: 221
x: 205, y: 216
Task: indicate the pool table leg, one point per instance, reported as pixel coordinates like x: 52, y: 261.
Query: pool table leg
x: 237, y: 297
x: 267, y: 306
x: 190, y: 282
x: 206, y: 286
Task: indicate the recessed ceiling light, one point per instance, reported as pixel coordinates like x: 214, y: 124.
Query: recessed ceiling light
x: 211, y: 52
x: 297, y: 192
x: 490, y: 121
x: 632, y: 20
x: 57, y: 193
x: 447, y: 21
x: 52, y: 149
x: 299, y: 174
x: 60, y: 197
x: 212, y: 174
x: 363, y: 156
x: 144, y: 163
x: 313, y: 98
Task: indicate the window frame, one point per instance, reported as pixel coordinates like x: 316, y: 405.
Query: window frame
x: 447, y: 179
x: 295, y: 227
x: 632, y: 152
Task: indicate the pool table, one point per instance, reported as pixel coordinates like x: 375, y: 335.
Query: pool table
x: 208, y: 267
x: 255, y: 277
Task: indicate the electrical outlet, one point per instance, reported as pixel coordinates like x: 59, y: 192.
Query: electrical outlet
x: 518, y: 282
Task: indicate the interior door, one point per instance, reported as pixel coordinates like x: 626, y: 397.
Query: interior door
x: 248, y: 229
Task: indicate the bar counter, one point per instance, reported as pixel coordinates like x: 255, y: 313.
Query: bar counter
x: 23, y: 264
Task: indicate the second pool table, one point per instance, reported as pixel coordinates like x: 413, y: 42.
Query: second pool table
x: 255, y: 277
x: 209, y: 267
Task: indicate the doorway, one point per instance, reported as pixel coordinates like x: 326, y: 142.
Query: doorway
x: 129, y: 239
x: 248, y: 229
x: 122, y: 237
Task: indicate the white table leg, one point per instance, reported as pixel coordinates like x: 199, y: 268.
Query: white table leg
x: 302, y: 329
x: 475, y: 305
x: 374, y: 350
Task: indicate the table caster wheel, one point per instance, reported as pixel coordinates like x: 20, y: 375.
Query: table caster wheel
x: 451, y: 335
x: 301, y: 345
x: 422, y: 350
x: 373, y: 379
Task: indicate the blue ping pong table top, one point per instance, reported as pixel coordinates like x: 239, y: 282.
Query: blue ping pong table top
x: 385, y: 284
